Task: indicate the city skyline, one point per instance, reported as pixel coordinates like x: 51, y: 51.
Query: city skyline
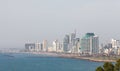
x: 87, y: 45
x: 38, y: 20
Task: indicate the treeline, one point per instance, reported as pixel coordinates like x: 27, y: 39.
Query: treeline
x: 108, y: 66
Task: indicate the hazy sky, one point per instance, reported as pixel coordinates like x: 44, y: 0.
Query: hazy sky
x: 35, y: 20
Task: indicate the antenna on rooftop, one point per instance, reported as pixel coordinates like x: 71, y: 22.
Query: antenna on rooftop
x: 75, y: 32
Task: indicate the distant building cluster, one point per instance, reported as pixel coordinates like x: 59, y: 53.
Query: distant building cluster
x: 86, y: 45
x: 111, y: 48
x: 36, y: 47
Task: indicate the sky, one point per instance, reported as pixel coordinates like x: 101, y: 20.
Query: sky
x: 35, y: 20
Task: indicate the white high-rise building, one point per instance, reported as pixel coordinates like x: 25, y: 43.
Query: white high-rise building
x: 55, y: 45
x: 115, y: 46
x: 37, y: 47
x: 115, y: 43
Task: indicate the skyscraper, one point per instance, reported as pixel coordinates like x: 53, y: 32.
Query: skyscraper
x: 89, y: 44
x: 76, y: 46
x: 45, y: 45
x: 69, y: 42
x: 66, y: 42
x: 72, y: 38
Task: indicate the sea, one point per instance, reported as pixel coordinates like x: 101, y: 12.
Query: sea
x: 33, y: 62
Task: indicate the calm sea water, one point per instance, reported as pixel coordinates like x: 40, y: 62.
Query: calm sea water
x: 27, y: 62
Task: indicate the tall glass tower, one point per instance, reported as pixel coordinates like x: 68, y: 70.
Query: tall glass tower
x: 89, y: 44
x: 66, y: 43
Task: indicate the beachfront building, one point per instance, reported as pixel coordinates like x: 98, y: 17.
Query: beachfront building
x: 89, y: 44
x: 45, y: 45
x: 37, y: 47
x: 72, y: 45
x: 57, y: 47
x: 60, y: 47
x: 72, y: 38
x: 115, y: 43
x: 33, y: 47
x: 107, y: 49
x: 66, y: 41
x: 115, y: 46
x: 69, y: 42
x: 76, y: 46
x: 30, y: 46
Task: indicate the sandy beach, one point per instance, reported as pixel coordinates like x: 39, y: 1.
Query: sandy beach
x: 74, y: 56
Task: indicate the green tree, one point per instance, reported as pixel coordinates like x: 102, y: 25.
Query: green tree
x: 108, y: 66
x: 100, y: 69
x: 117, y: 66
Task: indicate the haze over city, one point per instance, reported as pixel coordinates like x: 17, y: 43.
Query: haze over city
x: 35, y: 20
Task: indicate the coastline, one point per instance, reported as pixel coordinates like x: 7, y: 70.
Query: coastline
x: 75, y: 56
x: 87, y: 58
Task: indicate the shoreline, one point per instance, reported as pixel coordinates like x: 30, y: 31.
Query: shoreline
x: 87, y: 58
x: 75, y: 56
